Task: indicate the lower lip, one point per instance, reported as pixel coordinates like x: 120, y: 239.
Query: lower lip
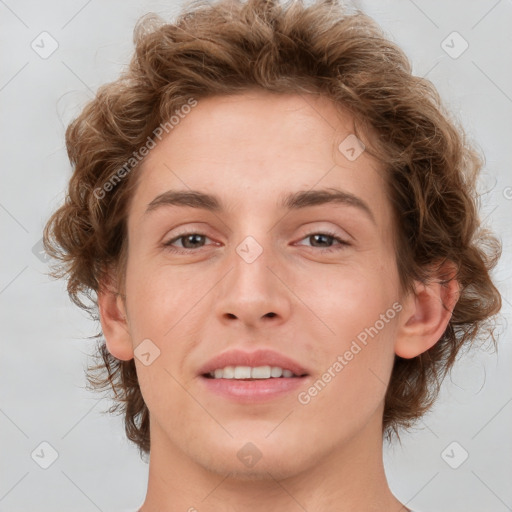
x: 250, y: 391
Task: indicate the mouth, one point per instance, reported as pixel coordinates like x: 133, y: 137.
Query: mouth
x: 251, y: 373
x: 251, y: 385
x: 243, y: 377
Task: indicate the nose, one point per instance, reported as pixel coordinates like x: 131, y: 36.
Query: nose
x: 254, y: 290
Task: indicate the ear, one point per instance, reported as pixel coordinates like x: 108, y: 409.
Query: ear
x: 114, y: 322
x: 426, y: 314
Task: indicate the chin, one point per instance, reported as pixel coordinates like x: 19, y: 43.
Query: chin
x: 269, y: 464
x: 261, y: 472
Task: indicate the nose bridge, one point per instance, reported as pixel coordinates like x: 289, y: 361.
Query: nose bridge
x: 251, y: 260
x: 252, y: 289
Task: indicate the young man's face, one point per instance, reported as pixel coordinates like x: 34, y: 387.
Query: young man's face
x: 260, y: 276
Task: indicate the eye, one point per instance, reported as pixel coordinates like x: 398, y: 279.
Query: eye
x: 189, y: 241
x: 326, y: 238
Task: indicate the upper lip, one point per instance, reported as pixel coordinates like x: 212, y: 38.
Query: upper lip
x: 256, y: 358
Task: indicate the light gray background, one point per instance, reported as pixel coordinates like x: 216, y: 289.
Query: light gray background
x: 44, y: 350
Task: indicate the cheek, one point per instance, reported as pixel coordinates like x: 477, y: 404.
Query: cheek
x: 352, y: 298
x: 352, y: 381
x: 360, y: 308
x: 158, y: 297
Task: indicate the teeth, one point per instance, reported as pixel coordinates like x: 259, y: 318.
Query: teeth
x: 249, y: 372
x: 242, y: 372
x: 261, y: 372
x: 275, y: 371
x: 229, y: 372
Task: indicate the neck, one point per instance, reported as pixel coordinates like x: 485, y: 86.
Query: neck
x: 349, y: 478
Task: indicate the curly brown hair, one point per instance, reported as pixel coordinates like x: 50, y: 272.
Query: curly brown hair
x: 230, y: 47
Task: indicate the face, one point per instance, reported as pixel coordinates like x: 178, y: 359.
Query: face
x: 268, y: 272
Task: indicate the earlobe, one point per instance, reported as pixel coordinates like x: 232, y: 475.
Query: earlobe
x: 114, y: 324
x: 425, y: 317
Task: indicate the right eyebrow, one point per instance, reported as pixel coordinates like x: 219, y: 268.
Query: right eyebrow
x: 191, y: 198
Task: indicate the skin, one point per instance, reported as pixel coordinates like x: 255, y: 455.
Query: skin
x: 249, y: 149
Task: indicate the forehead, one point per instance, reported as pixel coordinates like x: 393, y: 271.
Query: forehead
x: 253, y: 124
x: 251, y: 149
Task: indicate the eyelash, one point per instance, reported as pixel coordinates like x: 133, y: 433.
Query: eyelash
x: 341, y: 246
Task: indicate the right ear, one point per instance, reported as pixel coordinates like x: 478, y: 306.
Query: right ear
x: 114, y: 323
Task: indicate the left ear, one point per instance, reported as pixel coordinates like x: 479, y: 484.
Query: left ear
x: 426, y: 313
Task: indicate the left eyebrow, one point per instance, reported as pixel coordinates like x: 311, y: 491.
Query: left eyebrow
x: 291, y: 201
x: 306, y: 198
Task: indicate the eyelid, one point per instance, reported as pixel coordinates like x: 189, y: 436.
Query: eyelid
x: 192, y: 228
x: 333, y: 231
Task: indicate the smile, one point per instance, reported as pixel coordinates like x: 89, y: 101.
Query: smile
x: 251, y: 372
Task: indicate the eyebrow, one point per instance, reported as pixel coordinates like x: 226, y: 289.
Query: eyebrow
x: 291, y: 201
